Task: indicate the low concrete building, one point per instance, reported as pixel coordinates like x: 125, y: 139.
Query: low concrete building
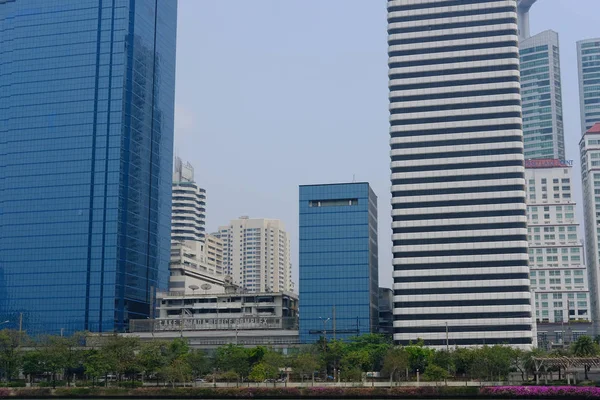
x: 210, y: 320
x: 556, y: 335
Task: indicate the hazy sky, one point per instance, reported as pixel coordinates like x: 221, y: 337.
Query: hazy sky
x: 272, y: 94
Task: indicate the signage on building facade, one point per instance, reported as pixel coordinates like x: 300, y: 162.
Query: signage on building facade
x: 250, y: 322
x: 548, y: 163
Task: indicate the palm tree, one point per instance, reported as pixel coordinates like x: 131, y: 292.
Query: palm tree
x: 584, y: 346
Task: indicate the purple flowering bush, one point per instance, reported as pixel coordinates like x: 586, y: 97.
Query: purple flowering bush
x: 543, y: 392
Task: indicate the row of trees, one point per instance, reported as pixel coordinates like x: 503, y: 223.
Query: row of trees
x: 100, y: 359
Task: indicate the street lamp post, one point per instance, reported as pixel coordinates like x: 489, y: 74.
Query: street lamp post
x: 324, y: 327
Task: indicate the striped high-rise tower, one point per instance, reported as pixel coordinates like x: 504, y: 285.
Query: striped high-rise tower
x: 458, y: 196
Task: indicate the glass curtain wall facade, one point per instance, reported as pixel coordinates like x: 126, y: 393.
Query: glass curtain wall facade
x: 461, y: 274
x: 543, y: 128
x: 338, y: 261
x: 86, y: 153
x: 588, y: 58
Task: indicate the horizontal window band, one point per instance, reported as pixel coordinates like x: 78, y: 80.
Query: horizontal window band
x: 446, y: 49
x: 438, y: 4
x: 453, y: 60
x: 457, y: 36
x: 460, y: 252
x: 462, y: 328
x: 462, y: 303
x: 460, y: 239
x: 457, y: 142
x: 467, y: 342
x: 459, y: 130
x: 451, y: 14
x: 453, y: 95
x: 465, y: 202
x: 457, y: 106
x: 452, y: 25
x: 456, y: 277
x: 457, y: 190
x: 466, y: 227
x: 462, y: 290
x: 455, y: 154
x: 463, y: 264
x: 445, y: 167
x: 459, y: 215
x: 475, y: 315
x: 456, y: 118
x: 459, y: 178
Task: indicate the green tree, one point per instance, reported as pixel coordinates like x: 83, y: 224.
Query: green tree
x: 351, y: 374
x: 463, y: 358
x: 199, y: 363
x: 305, y: 364
x: 177, y: 348
x: 53, y: 356
x: 336, y: 350
x: 584, y: 346
x: 119, y: 354
x: 32, y: 364
x: 395, y: 362
x: 443, y: 359
x: 153, y: 357
x: 256, y: 354
x: 376, y: 346
x: 178, y: 370
x: 418, y: 355
x: 233, y: 358
x: 435, y: 373
x: 263, y: 371
x: 11, y: 354
x: 273, y: 361
x: 528, y: 362
x: 96, y: 366
x: 258, y: 373
x: 491, y: 362
x: 357, y: 358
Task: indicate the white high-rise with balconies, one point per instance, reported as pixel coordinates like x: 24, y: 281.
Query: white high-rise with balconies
x: 189, y: 205
x: 256, y: 253
x: 461, y: 274
x: 196, y: 258
x: 559, y: 276
x: 590, y: 177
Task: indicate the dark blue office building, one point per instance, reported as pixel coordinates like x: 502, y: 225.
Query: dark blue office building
x: 86, y: 149
x: 338, y: 261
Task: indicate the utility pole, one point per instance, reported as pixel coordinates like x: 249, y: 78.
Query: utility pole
x: 333, y: 311
x: 447, y: 341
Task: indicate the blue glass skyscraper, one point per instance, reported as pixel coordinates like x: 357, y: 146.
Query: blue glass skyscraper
x: 338, y: 261
x: 86, y: 149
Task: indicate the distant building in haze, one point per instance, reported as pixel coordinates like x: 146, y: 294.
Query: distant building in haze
x: 196, y: 258
x: 588, y: 58
x: 256, y: 253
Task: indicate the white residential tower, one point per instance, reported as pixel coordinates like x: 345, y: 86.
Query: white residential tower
x: 256, y: 253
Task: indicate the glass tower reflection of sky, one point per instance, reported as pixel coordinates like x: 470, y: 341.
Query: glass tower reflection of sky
x: 86, y: 138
